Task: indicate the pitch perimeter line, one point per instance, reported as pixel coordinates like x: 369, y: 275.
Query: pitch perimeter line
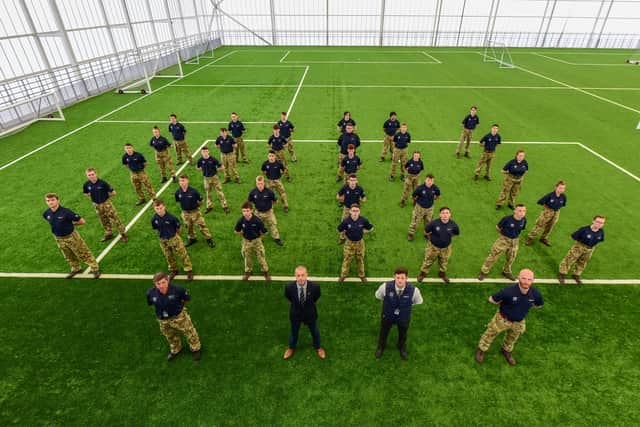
x: 431, y: 56
x: 579, y: 64
x: 361, y: 62
x: 435, y: 141
x: 373, y: 280
x: 295, y: 95
x: 187, y: 122
x: 394, y: 86
x: 615, y: 165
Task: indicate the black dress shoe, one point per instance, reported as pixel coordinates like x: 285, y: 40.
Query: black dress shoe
x: 379, y: 352
x: 190, y: 242
x: 195, y: 355
x: 403, y: 354
x: 172, y: 356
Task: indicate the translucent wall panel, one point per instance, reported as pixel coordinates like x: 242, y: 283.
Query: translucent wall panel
x: 12, y: 20
x: 41, y: 15
x: 89, y: 44
x: 80, y: 14
x: 157, y: 9
x: 114, y: 11
x: 410, y: 7
x: 19, y: 58
x: 137, y: 10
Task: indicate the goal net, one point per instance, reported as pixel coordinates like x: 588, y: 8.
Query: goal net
x: 138, y: 68
x: 201, y: 51
x: 498, y: 52
x: 634, y: 58
x: 46, y: 106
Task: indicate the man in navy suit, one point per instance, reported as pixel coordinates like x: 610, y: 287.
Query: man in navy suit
x: 303, y: 296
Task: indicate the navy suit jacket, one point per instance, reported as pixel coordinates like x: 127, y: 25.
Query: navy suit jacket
x: 306, y: 313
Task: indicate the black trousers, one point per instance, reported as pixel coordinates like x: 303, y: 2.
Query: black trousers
x: 385, y: 327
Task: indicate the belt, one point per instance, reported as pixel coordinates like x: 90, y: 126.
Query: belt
x: 168, y: 238
x: 504, y: 316
x: 65, y: 236
x: 190, y: 210
x: 510, y: 238
x: 170, y: 318
x: 140, y: 171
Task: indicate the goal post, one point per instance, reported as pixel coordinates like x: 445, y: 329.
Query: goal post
x: 498, y: 52
x: 202, y: 51
x: 138, y: 68
x: 44, y: 107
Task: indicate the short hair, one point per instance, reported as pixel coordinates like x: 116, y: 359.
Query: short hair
x: 445, y: 207
x: 353, y: 175
x: 284, y: 113
x: 401, y: 270
x: 349, y: 124
x: 233, y: 112
x: 403, y: 124
x: 128, y: 145
x: 393, y: 113
x: 259, y: 178
x: 159, y: 276
x: 345, y: 113
x: 223, y: 129
x: 90, y: 170
x: 205, y: 148
x: 301, y: 267
x: 158, y: 202
x: 520, y: 205
x: 156, y: 127
x: 272, y: 152
x: 184, y: 176
x: 51, y: 196
x: 519, y: 151
x: 429, y: 175
x: 561, y: 182
x: 355, y: 205
x: 351, y: 147
x: 276, y: 127
x: 599, y: 216
x: 247, y: 205
x: 416, y: 152
x: 173, y: 115
x: 473, y: 107
x: 495, y: 125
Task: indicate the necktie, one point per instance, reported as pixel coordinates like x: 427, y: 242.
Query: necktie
x: 400, y: 292
x: 301, y: 296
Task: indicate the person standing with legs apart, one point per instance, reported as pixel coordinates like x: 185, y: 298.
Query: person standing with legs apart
x: 401, y: 141
x: 209, y: 166
x: 277, y: 144
x: 169, y: 301
x: 163, y: 156
x: 263, y: 199
x: 190, y: 201
x: 350, y: 165
x: 489, y: 142
x: 551, y: 205
x: 178, y: 131
x: 286, y: 129
x: 136, y: 163
x: 346, y: 139
x: 390, y: 128
x: 423, y: 199
x: 515, y: 302
x: 580, y: 253
x: 469, y: 123
x: 227, y: 145
x: 100, y: 193
x: 439, y: 232
x: 350, y: 194
x: 413, y: 166
x: 272, y: 169
x: 513, y: 172
x: 398, y: 297
x: 354, y: 227
x: 171, y: 243
x: 509, y: 229
x: 251, y: 228
x: 303, y: 296
x: 237, y: 129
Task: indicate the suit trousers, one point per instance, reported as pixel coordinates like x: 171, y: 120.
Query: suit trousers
x: 295, y: 329
x: 385, y: 327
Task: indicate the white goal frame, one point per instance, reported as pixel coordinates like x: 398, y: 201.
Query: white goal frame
x: 143, y: 58
x: 41, y: 112
x: 498, y: 52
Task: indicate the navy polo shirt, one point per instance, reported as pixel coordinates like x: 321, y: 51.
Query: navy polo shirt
x: 491, y: 142
x: 516, y: 169
x: 263, y: 200
x: 134, y: 162
x: 351, y: 164
x: 166, y: 225
x: 589, y: 237
x: 236, y: 128
x: 514, y: 304
x: 552, y: 201
x: 354, y: 230
x: 470, y: 122
x: 285, y: 128
x: 225, y: 144
x: 188, y: 199
x: 251, y: 229
x: 426, y: 196
x: 277, y: 142
x: 402, y: 140
x: 99, y: 191
x: 209, y: 166
x: 511, y: 227
x: 169, y: 304
x: 160, y: 144
x: 391, y: 127
x: 413, y: 167
x: 61, y: 220
x: 273, y: 170
x: 351, y: 195
x: 346, y: 139
x: 178, y: 131
x: 441, y: 233
x: 342, y: 124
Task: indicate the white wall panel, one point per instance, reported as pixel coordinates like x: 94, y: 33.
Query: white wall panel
x: 41, y: 15
x: 410, y: 7
x: 114, y: 11
x: 12, y: 20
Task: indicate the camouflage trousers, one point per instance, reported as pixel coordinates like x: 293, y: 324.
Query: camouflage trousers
x: 503, y: 245
x: 340, y: 157
x: 280, y: 156
x: 108, y: 215
x: 410, y: 184
x: 500, y: 324
x: 239, y: 150
x: 420, y: 214
x: 182, y: 148
x: 192, y: 218
x: 269, y: 219
x: 345, y: 213
x: 74, y: 250
x: 433, y: 254
x: 398, y: 155
x: 140, y: 179
x: 276, y: 184
x: 163, y: 158
x: 578, y: 257
x: 545, y: 222
x: 485, y: 159
x: 292, y: 154
x: 351, y: 250
x: 387, y: 144
x: 465, y: 137
x: 175, y: 327
x: 214, y: 182
x: 510, y: 188
x: 230, y: 167
x: 249, y: 248
x: 173, y: 247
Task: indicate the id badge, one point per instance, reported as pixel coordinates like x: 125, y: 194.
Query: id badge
x: 165, y: 314
x: 396, y: 312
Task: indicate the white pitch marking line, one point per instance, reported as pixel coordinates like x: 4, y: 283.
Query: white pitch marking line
x: 254, y: 65
x: 430, y: 56
x: 579, y: 63
x: 236, y: 85
x: 135, y: 219
x: 615, y: 165
x: 295, y: 95
x: 24, y: 156
x: 374, y: 280
x: 434, y: 141
x: 551, y: 58
x: 285, y: 55
x: 187, y: 122
x: 360, y: 62
x: 587, y: 53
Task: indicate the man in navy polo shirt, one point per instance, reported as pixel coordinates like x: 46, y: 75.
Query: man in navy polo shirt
x: 513, y: 172
x: 178, y: 131
x: 286, y: 129
x: 509, y: 229
x: 73, y: 248
x: 350, y: 193
x: 190, y: 201
x: 347, y: 138
x: 515, y: 302
x: 169, y: 301
x: 263, y: 199
x: 424, y: 196
x: 351, y: 164
x: 136, y: 163
x: 171, y: 243
x: 277, y: 143
x: 586, y: 239
x: 237, y: 129
x: 390, y: 127
x: 413, y: 166
x: 100, y: 192
x: 439, y: 232
x: 273, y: 169
x: 489, y: 142
x: 251, y: 228
x: 346, y: 120
x: 209, y: 166
x: 398, y: 297
x: 163, y: 157
x: 226, y: 144
x: 469, y: 123
x: 551, y: 204
x: 401, y: 141
x: 354, y: 227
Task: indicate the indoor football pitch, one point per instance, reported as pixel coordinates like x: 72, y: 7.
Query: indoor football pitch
x: 89, y: 352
